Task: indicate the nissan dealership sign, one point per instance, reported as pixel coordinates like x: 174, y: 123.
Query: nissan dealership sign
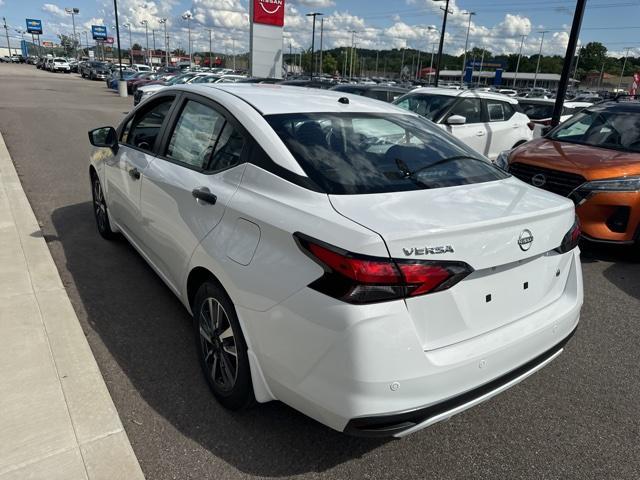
x: 267, y: 20
x: 269, y: 12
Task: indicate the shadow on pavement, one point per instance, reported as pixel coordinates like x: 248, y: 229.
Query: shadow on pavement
x: 625, y: 262
x: 148, y: 331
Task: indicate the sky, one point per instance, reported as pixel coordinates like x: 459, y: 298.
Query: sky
x: 497, y: 25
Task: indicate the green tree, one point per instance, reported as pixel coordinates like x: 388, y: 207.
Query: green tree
x: 592, y: 56
x: 329, y: 63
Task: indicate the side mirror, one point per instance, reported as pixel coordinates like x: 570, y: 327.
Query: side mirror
x: 104, y: 137
x: 456, y: 120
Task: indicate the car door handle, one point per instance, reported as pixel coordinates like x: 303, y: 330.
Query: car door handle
x: 204, y: 195
x: 480, y: 133
x: 134, y: 173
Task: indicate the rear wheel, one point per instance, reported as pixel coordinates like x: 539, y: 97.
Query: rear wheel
x: 100, y: 209
x: 221, y: 347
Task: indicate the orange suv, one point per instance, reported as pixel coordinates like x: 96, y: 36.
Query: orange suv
x: 594, y: 159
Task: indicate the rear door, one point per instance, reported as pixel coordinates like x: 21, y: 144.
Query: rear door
x: 504, y: 127
x: 125, y: 172
x: 189, y: 185
x: 474, y: 131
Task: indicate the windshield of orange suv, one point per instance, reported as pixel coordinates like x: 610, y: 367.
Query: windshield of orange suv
x: 617, y: 130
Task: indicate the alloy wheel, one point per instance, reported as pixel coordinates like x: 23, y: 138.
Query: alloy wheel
x: 218, y: 345
x: 99, y: 206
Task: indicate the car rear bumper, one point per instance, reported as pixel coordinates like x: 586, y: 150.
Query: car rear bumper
x: 610, y: 217
x: 402, y: 424
x: 362, y: 369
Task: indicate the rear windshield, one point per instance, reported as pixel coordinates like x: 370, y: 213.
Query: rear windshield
x: 602, y: 128
x: 358, y: 153
x: 429, y: 106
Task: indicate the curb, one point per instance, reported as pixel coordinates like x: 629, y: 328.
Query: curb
x: 58, y: 420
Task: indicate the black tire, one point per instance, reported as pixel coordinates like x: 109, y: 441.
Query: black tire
x: 100, y: 210
x: 231, y: 387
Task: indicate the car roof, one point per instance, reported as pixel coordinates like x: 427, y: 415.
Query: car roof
x: 451, y: 92
x: 271, y: 99
x: 621, y: 106
x: 361, y: 86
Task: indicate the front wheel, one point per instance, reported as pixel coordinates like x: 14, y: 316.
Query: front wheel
x: 100, y: 209
x: 222, y: 348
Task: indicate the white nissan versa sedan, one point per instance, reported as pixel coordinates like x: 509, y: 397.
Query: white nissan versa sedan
x: 340, y: 254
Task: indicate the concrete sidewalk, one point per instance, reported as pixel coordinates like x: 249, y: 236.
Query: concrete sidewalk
x: 57, y: 420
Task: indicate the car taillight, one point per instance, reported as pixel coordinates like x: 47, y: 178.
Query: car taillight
x: 571, y: 239
x: 360, y: 279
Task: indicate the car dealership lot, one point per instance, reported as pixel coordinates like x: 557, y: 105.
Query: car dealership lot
x: 577, y: 418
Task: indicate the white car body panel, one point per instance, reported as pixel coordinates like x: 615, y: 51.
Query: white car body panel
x: 335, y: 361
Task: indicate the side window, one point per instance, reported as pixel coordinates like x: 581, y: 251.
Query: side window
x: 228, y: 149
x: 377, y: 94
x: 496, y: 111
x: 470, y: 108
x: 195, y: 134
x: 146, y: 126
x: 125, y: 131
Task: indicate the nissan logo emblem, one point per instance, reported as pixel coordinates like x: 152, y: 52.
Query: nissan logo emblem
x: 538, y: 180
x: 525, y: 240
x: 277, y: 3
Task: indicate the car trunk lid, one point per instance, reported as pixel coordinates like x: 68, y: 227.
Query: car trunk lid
x: 488, y: 226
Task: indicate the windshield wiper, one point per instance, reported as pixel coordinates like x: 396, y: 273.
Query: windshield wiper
x: 408, y: 173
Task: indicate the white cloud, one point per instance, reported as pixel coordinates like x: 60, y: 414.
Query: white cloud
x: 54, y: 10
x: 316, y: 3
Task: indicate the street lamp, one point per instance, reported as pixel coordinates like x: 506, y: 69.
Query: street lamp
x: 441, y: 45
x: 313, y: 41
x: 122, y: 84
x: 128, y: 25
x: 163, y: 21
x: 515, y: 77
x: 187, y: 16
x: 210, y: 30
x: 146, y: 35
x: 73, y: 12
x: 535, y: 78
x: 466, y: 45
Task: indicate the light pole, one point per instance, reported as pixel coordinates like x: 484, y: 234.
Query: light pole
x: 353, y: 44
x: 122, y: 84
x: 575, y: 70
x: 313, y: 42
x: 163, y: 21
x: 73, y: 12
x: 466, y: 45
x: 86, y: 41
x: 441, y: 45
x: 128, y: 25
x: 481, y: 65
x: 535, y: 78
x: 321, y: 39
x: 153, y: 52
x: 146, y: 35
x: 6, y: 32
x: 210, y: 30
x: 187, y: 16
x: 624, y: 64
x: 433, y: 51
x: 515, y: 77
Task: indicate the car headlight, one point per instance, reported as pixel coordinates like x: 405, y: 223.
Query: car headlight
x: 502, y: 161
x: 624, y: 184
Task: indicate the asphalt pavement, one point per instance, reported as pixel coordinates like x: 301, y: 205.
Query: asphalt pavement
x: 579, y: 418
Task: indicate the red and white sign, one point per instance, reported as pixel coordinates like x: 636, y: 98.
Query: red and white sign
x: 269, y: 12
x: 109, y: 41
